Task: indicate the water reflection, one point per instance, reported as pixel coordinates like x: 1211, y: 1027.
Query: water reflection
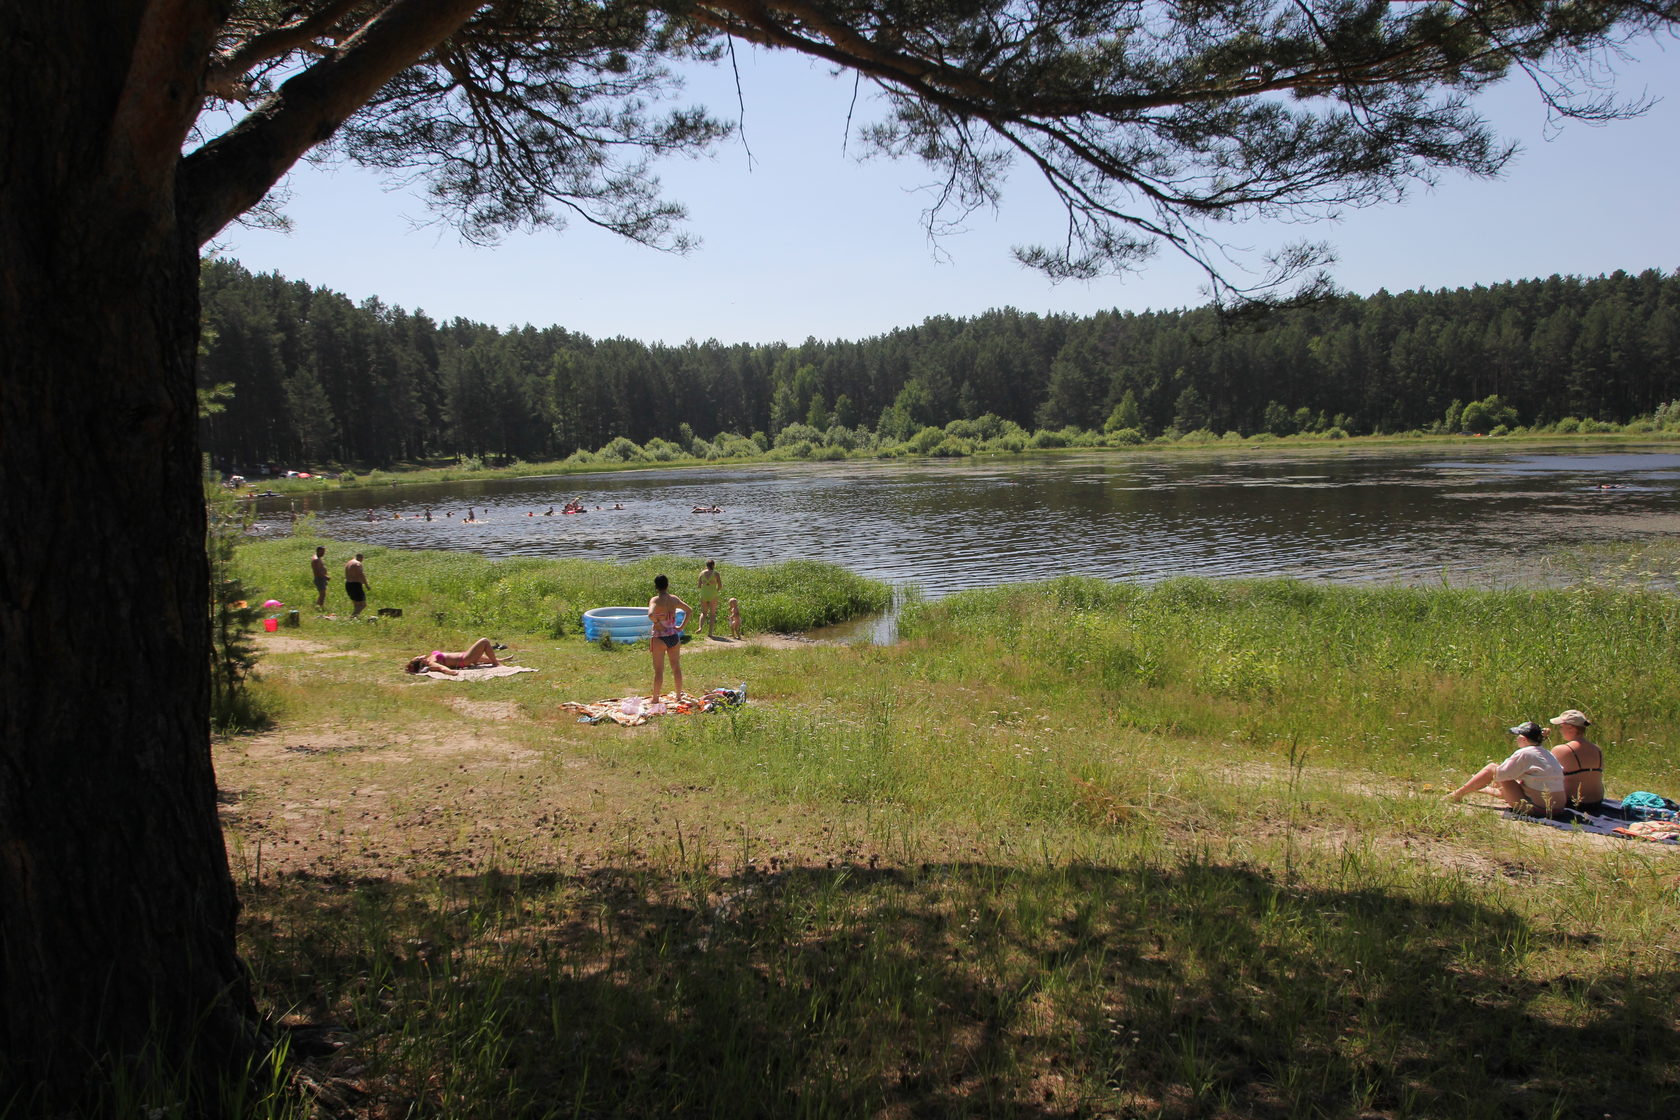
x: 1366, y: 516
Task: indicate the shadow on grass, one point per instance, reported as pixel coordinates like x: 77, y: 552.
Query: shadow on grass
x: 949, y: 990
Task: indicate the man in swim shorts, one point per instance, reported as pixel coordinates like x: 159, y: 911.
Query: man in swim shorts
x: 711, y: 589
x: 318, y: 569
x: 355, y: 584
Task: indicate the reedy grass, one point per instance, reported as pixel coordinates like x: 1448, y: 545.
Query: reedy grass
x: 450, y: 594
x: 1070, y: 849
x: 1407, y: 681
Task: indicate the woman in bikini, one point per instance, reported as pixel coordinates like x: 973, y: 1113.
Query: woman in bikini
x: 1582, y: 761
x: 667, y: 635
x: 447, y: 662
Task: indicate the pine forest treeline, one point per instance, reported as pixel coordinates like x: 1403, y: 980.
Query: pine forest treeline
x: 310, y: 377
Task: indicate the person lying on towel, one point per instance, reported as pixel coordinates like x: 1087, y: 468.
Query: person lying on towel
x: 447, y: 662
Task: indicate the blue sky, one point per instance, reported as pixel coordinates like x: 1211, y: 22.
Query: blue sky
x: 803, y: 240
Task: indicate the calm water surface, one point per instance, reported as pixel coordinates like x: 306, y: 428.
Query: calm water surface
x: 1352, y: 516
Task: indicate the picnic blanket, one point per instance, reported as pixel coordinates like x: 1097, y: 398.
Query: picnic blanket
x: 633, y: 711
x: 479, y: 672
x: 1610, y: 820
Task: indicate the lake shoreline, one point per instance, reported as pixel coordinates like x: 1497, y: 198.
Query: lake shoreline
x: 1478, y: 513
x: 421, y: 474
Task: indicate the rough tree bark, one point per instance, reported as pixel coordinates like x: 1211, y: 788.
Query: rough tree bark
x: 116, y: 906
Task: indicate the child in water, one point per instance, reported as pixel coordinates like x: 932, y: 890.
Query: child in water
x: 734, y: 618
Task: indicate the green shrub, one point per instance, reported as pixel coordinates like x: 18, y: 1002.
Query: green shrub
x: 1045, y: 438
x: 795, y: 434
x: 925, y: 440
x: 622, y: 450
x: 662, y: 451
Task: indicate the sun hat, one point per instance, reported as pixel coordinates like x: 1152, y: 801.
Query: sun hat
x: 1528, y: 730
x: 1572, y: 716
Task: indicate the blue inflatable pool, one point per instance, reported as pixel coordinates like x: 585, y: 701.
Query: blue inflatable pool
x: 622, y: 624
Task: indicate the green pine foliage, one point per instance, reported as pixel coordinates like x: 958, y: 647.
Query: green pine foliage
x: 1564, y: 354
x: 235, y: 704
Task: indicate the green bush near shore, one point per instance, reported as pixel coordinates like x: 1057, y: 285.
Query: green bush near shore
x: 456, y: 596
x: 1068, y: 849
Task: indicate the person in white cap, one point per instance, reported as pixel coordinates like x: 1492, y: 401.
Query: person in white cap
x: 1582, y: 762
x: 1529, y: 781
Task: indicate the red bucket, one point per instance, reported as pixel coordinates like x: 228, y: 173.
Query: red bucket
x: 271, y: 624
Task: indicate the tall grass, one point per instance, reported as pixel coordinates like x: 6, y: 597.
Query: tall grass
x: 456, y: 593
x: 1401, y: 680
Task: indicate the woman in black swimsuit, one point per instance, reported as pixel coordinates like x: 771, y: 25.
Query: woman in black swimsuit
x: 666, y: 641
x: 1582, y: 761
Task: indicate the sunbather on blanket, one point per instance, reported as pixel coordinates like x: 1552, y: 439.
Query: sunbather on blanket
x: 1582, y: 762
x: 481, y: 652
x: 1530, y: 780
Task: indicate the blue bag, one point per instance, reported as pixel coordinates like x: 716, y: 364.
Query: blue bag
x: 1642, y: 805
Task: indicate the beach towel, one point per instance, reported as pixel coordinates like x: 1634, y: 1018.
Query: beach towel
x: 479, y: 672
x: 633, y: 711
x: 1610, y: 820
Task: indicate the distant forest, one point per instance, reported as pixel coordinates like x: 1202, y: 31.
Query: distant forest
x: 302, y: 375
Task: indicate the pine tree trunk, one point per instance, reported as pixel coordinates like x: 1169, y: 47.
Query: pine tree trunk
x: 116, y: 907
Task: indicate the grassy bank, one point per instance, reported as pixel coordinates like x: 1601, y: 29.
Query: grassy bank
x: 444, y: 595
x: 953, y: 441
x: 1072, y: 849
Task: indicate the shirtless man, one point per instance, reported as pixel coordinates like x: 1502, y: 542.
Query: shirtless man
x: 711, y: 589
x: 355, y: 584
x: 1582, y: 761
x: 318, y: 569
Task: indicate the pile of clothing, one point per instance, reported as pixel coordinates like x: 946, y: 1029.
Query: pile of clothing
x: 1638, y: 816
x: 633, y: 711
x: 1650, y: 830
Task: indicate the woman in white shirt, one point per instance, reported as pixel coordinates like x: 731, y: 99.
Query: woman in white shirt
x: 1530, y: 780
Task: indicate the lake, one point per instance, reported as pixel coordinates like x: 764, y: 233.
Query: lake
x: 1477, y: 517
